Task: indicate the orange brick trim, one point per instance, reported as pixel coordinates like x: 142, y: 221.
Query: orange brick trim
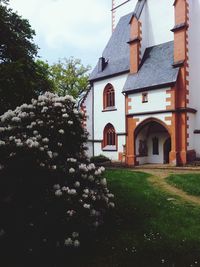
x: 135, y: 44
x: 128, y: 104
x: 171, y: 98
x: 130, y: 141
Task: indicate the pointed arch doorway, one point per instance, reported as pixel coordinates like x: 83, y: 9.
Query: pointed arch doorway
x: 152, y: 142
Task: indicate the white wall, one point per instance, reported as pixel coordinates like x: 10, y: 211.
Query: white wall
x: 194, y: 70
x: 88, y: 104
x: 116, y: 118
x: 156, y: 101
x: 150, y: 158
x: 157, y: 21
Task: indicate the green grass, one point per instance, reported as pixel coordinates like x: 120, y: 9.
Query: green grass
x: 145, y: 229
x: 189, y: 183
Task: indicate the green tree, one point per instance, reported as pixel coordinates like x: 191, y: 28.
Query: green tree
x: 70, y: 76
x: 21, y: 78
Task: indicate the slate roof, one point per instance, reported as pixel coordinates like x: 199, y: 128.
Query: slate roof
x: 156, y: 69
x: 116, y: 51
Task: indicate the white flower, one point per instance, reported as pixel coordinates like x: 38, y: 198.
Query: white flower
x: 44, y: 109
x: 65, y: 115
x: 102, y: 169
x: 50, y: 154
x: 84, y: 176
x: 111, y: 205
x: 70, y: 122
x: 91, y: 166
x: 93, y: 212
x: 41, y: 148
x: 59, y: 144
x: 91, y: 178
x: 77, y: 184
x: 58, y: 193
x: 2, y: 143
x: 56, y: 187
x: 35, y: 132
x: 45, y: 140
x: 75, y: 111
x: 42, y: 164
x: 72, y: 191
x: 58, y: 105
x: 75, y: 234
x: 71, y: 160
x: 71, y: 212
x: 86, y: 206
x: 83, y: 167
x: 54, y: 167
x: 71, y: 170
x: 76, y: 243
x: 103, y: 182
x: 65, y: 189
x: 61, y: 131
x: 16, y: 119
x: 86, y: 191
x: 68, y: 242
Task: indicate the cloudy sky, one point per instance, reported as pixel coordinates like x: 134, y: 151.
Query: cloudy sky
x: 67, y: 28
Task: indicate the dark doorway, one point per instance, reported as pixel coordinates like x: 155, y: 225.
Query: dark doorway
x: 167, y: 149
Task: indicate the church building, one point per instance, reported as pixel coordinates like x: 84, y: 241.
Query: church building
x: 144, y: 102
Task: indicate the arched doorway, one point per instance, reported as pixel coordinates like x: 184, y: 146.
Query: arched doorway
x: 166, y: 150
x: 152, y: 142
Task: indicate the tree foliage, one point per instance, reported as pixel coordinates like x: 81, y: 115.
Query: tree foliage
x: 70, y: 76
x: 21, y: 78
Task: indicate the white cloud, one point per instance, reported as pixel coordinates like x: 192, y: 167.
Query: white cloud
x: 84, y: 25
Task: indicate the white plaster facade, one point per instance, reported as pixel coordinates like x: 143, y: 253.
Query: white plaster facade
x: 116, y: 117
x: 194, y: 71
x: 157, y: 19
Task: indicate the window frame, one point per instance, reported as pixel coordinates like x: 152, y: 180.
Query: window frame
x: 109, y: 138
x: 109, y: 98
x: 145, y: 97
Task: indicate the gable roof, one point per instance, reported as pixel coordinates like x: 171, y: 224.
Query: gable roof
x: 116, y: 51
x: 156, y: 69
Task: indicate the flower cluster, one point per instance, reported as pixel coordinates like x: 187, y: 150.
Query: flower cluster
x: 45, y: 141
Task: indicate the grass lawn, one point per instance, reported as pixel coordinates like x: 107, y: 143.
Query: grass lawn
x: 148, y: 227
x: 189, y: 183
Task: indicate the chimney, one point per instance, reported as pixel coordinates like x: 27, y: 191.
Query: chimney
x: 135, y: 44
x: 180, y: 30
x: 102, y: 64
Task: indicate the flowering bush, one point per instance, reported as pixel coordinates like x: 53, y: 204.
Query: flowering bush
x: 51, y: 194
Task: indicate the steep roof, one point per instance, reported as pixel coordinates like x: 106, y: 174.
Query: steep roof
x: 116, y: 51
x: 156, y: 69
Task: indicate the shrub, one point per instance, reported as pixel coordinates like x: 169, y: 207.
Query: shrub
x: 99, y: 159
x: 51, y: 196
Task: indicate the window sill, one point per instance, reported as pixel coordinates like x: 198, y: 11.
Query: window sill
x: 109, y: 148
x: 109, y: 109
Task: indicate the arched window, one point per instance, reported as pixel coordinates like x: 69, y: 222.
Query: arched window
x: 109, y: 137
x: 108, y: 96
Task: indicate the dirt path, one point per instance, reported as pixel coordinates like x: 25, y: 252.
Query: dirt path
x: 158, y: 179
